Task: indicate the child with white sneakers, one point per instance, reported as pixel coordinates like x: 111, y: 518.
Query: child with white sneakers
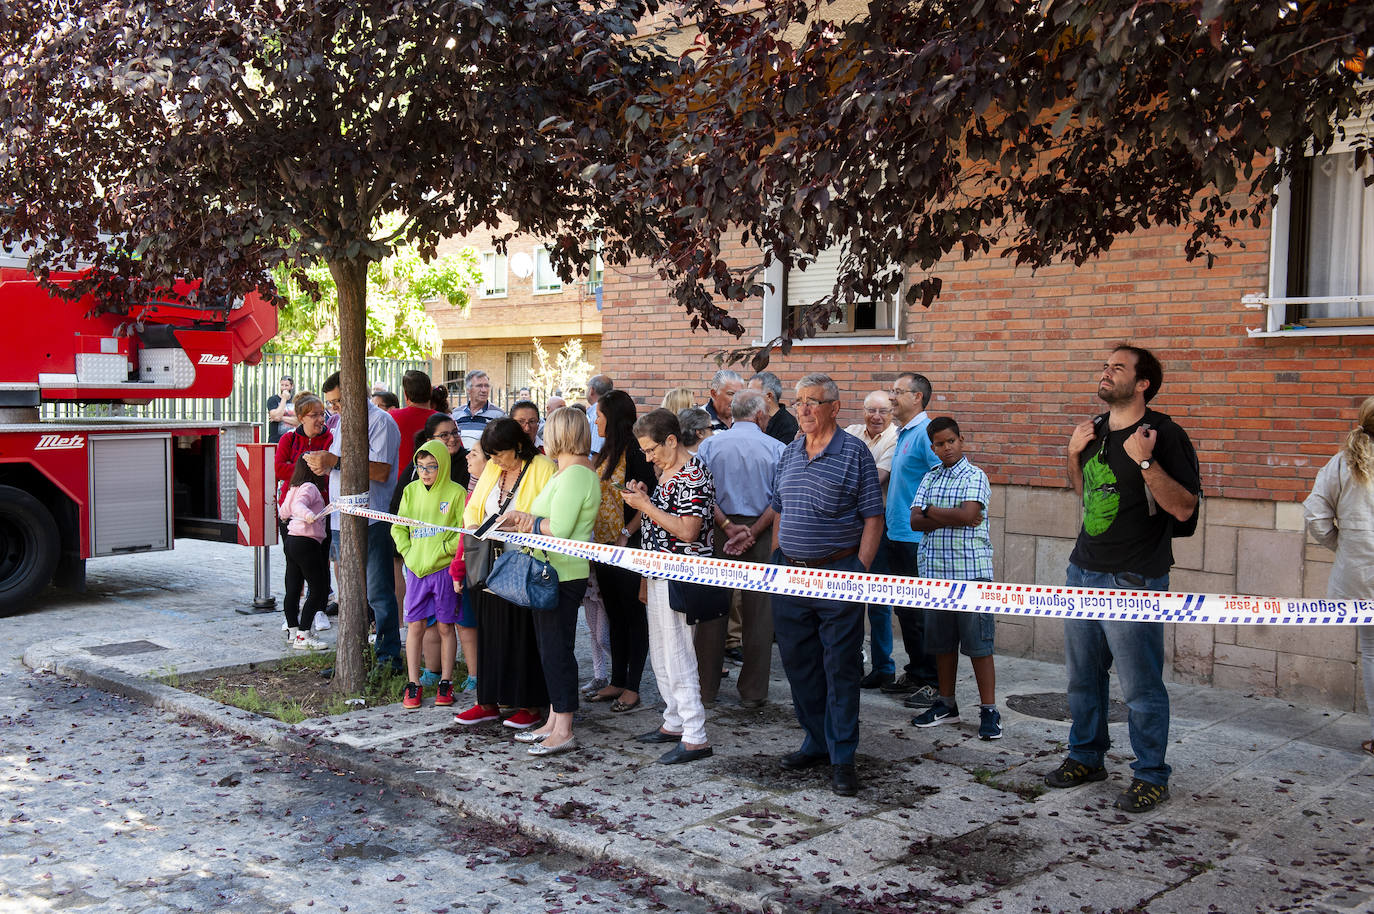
x: 307, y: 557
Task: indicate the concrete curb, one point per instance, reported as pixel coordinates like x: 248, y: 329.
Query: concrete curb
x: 723, y: 884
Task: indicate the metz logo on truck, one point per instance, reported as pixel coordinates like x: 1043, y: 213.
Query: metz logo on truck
x: 211, y: 359
x: 60, y: 443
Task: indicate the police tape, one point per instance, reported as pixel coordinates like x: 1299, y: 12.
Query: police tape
x: 1024, y: 600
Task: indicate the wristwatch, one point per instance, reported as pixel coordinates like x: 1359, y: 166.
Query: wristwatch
x: 925, y: 511
x: 1145, y: 464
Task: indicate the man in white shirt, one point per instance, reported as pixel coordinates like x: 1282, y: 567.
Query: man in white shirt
x: 878, y: 432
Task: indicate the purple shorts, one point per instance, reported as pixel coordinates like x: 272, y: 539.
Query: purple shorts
x: 431, y: 595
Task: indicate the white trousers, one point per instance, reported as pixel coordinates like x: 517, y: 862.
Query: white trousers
x: 594, y: 611
x: 674, y: 658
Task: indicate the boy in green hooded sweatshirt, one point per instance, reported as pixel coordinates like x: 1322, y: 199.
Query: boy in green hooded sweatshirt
x: 433, y: 565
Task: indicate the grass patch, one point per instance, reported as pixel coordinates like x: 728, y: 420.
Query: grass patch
x: 295, y: 689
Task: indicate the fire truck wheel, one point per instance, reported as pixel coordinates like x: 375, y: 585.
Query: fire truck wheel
x: 29, y: 549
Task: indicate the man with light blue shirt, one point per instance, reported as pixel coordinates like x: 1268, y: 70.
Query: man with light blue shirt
x: 383, y: 450
x: 742, y: 460
x: 597, y: 387
x: 911, y: 460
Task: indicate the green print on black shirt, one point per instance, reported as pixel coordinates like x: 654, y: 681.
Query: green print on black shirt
x: 1100, y: 497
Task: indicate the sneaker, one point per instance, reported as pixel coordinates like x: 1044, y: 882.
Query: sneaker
x: 477, y: 714
x: 444, y: 696
x: 521, y: 720
x: 320, y: 623
x: 1071, y: 773
x: 989, y: 723
x: 876, y: 680
x: 304, y: 641
x: 938, y: 713
x: 332, y: 607
x: 469, y: 684
x: 901, y: 686
x: 411, y: 700
x: 428, y: 679
x: 290, y: 632
x: 1142, y: 796
x: 923, y: 697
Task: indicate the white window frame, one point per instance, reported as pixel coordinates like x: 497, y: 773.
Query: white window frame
x: 514, y: 383
x: 1275, y: 304
x: 492, y: 263
x: 555, y: 285
x: 774, y: 299
x: 454, y: 363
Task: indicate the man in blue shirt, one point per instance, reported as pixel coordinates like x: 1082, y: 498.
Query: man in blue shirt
x: 830, y: 515
x: 911, y: 460
x: 742, y: 460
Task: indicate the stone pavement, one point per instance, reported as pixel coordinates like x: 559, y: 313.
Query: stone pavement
x: 1272, y: 806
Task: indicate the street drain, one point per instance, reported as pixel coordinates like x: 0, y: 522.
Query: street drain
x: 362, y: 852
x: 123, y: 649
x: 1055, y: 706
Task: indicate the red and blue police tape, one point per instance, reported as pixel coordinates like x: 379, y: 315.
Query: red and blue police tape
x: 1031, y: 600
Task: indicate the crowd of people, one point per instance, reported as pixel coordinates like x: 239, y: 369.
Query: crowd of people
x: 742, y: 476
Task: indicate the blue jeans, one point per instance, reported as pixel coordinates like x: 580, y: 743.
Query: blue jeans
x: 1090, y: 647
x: 381, y: 591
x: 880, y: 615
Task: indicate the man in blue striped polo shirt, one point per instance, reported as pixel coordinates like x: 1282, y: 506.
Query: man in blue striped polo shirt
x: 830, y: 515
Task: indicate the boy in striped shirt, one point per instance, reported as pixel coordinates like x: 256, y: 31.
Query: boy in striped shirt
x: 950, y: 509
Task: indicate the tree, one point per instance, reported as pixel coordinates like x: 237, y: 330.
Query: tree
x: 567, y: 371
x: 1043, y: 131
x: 397, y: 288
x: 222, y: 139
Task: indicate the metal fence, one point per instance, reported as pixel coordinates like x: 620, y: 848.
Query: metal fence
x: 253, y: 384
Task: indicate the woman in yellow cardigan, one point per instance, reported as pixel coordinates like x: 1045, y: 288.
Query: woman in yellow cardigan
x: 509, y: 655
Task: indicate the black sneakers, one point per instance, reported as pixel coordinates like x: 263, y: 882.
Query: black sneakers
x: 1071, y: 773
x: 1142, y: 796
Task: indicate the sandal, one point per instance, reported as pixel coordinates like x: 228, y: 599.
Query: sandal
x: 621, y: 707
x: 602, y: 696
x: 1367, y: 745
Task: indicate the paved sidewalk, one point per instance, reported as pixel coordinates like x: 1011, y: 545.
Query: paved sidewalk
x: 1272, y: 806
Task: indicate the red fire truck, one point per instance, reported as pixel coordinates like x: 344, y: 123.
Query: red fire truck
x: 73, y: 489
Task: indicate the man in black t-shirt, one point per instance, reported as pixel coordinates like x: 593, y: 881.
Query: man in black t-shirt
x: 1138, y: 475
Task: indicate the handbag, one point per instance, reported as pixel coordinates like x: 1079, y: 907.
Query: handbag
x: 524, y: 580
x: 480, y: 554
x: 698, y: 602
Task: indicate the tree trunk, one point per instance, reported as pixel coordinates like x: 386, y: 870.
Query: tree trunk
x: 350, y: 277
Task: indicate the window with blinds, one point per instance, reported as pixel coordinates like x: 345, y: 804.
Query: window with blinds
x: 545, y: 279
x: 519, y: 365
x: 493, y: 275
x: 817, y: 281
x: 455, y: 366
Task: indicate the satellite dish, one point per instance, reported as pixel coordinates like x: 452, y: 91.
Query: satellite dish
x: 521, y: 264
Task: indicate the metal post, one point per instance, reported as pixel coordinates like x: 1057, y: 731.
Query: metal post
x: 263, y: 601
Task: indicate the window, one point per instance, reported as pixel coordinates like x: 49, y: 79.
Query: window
x: 455, y: 369
x: 1321, y: 270
x: 791, y: 292
x: 493, y: 275
x: 545, y: 279
x: 518, y: 368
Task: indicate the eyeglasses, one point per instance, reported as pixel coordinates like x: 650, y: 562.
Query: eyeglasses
x: 447, y: 435
x: 877, y: 410
x: 426, y: 467
x: 809, y: 403
x: 649, y: 452
x: 898, y: 391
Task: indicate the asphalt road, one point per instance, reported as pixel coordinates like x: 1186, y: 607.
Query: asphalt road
x: 109, y: 805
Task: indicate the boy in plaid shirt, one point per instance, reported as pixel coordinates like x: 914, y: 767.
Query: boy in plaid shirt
x: 950, y: 508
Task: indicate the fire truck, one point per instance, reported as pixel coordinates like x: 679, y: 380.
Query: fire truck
x: 73, y: 489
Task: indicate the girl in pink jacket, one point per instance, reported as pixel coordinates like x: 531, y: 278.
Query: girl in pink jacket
x: 307, y: 556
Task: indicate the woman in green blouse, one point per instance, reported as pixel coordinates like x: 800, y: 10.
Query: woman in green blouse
x: 566, y: 508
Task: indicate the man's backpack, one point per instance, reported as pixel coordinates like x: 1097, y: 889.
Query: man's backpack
x: 1178, y: 528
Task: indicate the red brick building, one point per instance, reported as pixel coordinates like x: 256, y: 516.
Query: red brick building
x: 1015, y: 357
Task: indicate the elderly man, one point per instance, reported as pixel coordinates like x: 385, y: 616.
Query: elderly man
x: 724, y: 384
x: 474, y: 415
x: 742, y: 460
x: 597, y: 387
x: 782, y: 425
x: 878, y: 432
x: 830, y: 515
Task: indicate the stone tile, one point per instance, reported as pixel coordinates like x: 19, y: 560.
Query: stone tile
x: 1016, y: 637
x: 1051, y: 559
x: 1243, y: 679
x: 1316, y: 576
x: 1043, y: 512
x: 1193, y: 645
x: 1317, y: 680
x: 1241, y: 884
x: 1188, y: 551
x: 1256, y: 658
x: 1269, y: 562
x: 996, y: 534
x: 1018, y: 558
x: 1337, y: 642
x: 1316, y: 552
x: 1288, y: 516
x: 1184, y: 581
x: 1237, y: 512
x: 1220, y: 551
x: 1224, y: 634
x: 1072, y: 887
x: 1049, y: 639
x: 997, y: 501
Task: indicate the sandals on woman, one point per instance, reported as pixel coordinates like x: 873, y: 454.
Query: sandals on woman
x: 620, y: 707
